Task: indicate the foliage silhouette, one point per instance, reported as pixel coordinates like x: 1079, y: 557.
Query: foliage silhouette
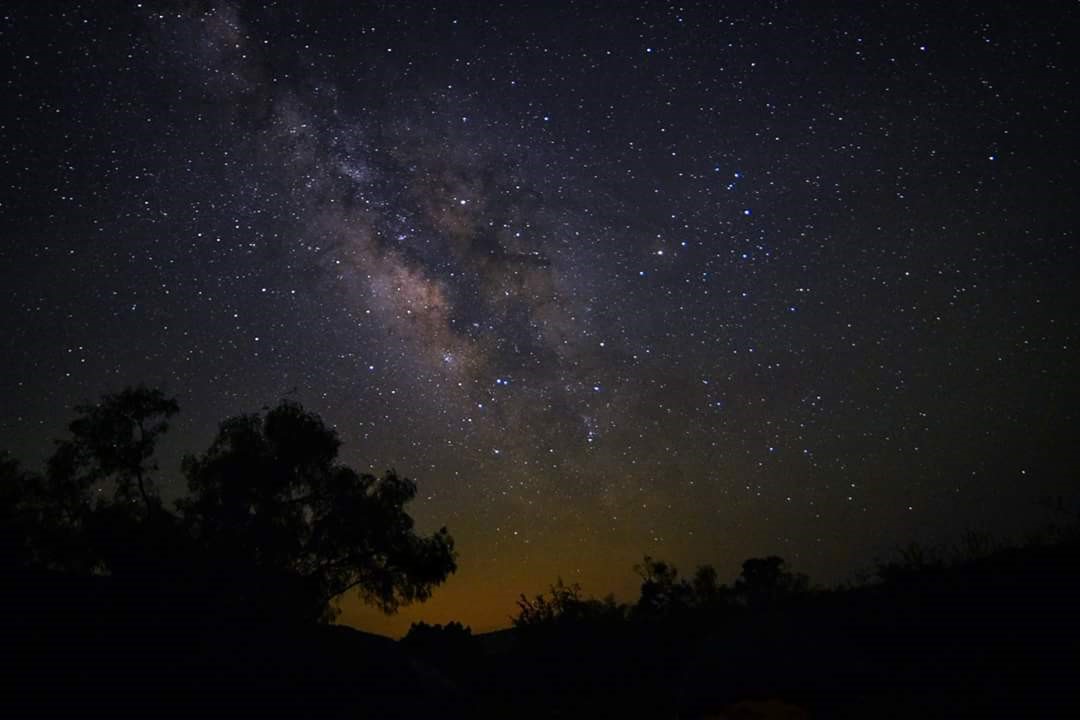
x: 662, y: 592
x: 451, y: 648
x: 708, y: 594
x: 269, y: 499
x: 565, y: 605
x: 95, y: 510
x: 420, y: 633
x: 274, y: 526
x: 113, y: 441
x: 913, y: 563
x: 764, y: 582
x: 928, y: 637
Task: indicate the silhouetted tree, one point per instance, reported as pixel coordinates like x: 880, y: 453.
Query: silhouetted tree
x: 420, y: 633
x: 96, y: 504
x: 914, y: 563
x: 565, y: 605
x: 565, y: 602
x: 766, y: 581
x: 450, y: 647
x: 662, y: 592
x: 271, y: 505
x: 113, y: 441
x: 708, y: 593
x: 67, y: 519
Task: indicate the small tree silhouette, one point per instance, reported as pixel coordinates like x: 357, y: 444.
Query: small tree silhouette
x: 708, y: 593
x: 563, y: 606
x: 114, y: 441
x: 662, y: 592
x: 451, y: 647
x: 764, y: 582
x: 913, y: 564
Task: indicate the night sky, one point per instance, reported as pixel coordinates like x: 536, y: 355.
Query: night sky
x: 703, y: 281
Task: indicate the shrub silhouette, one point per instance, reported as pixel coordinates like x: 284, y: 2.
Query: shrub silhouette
x: 914, y: 563
x: 765, y: 582
x: 565, y: 606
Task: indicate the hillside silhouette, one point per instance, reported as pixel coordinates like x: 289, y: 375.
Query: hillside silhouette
x: 116, y: 604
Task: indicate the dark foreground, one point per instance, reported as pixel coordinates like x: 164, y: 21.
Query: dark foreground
x: 996, y: 637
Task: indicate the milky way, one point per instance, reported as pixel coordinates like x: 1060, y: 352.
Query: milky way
x: 697, y: 281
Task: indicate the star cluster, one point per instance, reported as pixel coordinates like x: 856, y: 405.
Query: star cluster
x: 699, y: 280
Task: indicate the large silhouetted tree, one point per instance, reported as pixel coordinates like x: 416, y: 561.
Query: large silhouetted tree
x: 295, y: 529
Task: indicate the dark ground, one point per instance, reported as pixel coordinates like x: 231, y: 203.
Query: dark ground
x: 994, y: 637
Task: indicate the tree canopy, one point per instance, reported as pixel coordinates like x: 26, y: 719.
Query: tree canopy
x: 272, y: 523
x: 269, y: 495
x: 114, y: 441
x: 767, y: 581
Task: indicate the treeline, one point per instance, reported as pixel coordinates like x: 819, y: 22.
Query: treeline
x: 983, y: 629
x: 764, y: 582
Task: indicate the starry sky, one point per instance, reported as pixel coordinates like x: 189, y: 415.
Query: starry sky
x: 699, y: 280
